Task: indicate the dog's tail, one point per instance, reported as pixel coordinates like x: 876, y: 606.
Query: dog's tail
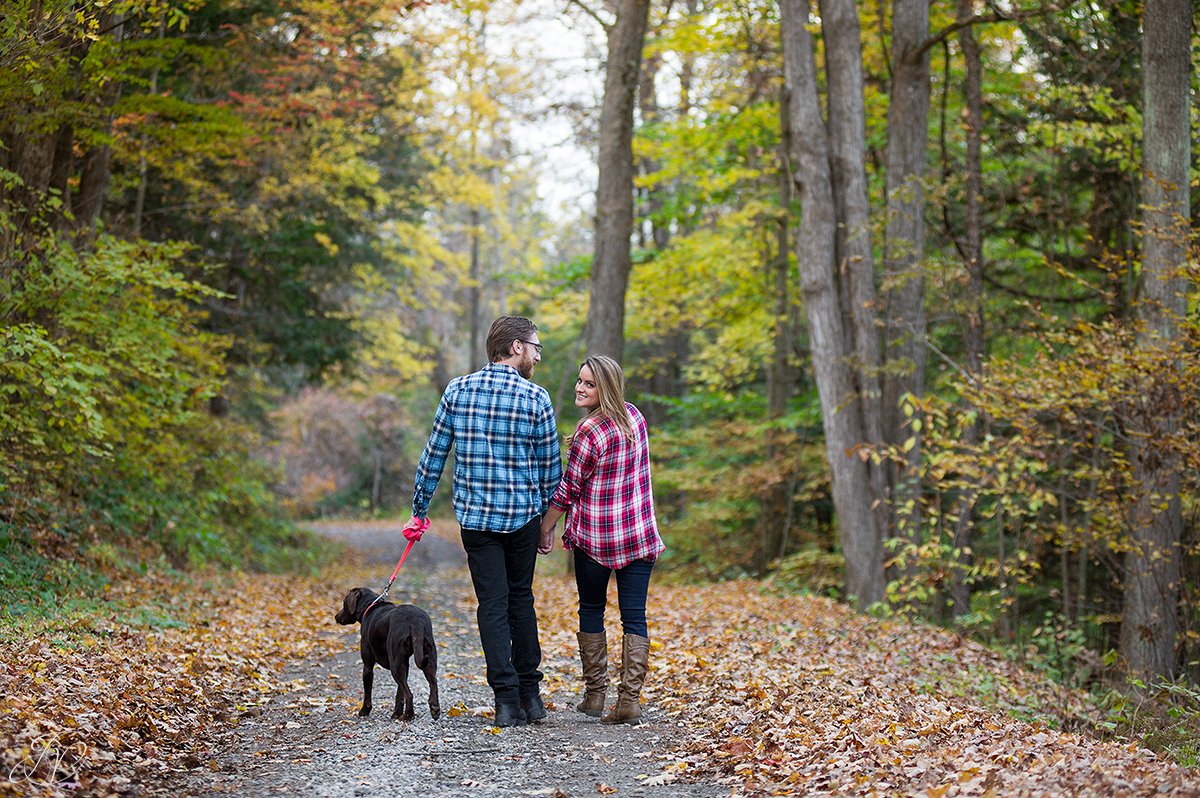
x: 424, y: 650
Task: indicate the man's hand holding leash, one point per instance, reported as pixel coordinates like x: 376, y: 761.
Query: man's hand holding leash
x: 414, y: 528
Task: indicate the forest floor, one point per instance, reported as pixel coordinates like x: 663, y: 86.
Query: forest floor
x: 244, y: 685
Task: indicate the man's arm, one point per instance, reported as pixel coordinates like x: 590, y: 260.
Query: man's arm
x: 433, y: 458
x: 548, y: 453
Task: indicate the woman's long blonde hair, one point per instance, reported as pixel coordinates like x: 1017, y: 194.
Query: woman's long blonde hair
x: 610, y: 384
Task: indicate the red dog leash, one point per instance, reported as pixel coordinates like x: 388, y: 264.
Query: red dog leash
x: 412, y: 531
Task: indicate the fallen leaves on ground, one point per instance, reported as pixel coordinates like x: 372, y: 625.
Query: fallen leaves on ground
x: 776, y: 695
x: 800, y: 695
x: 115, y: 703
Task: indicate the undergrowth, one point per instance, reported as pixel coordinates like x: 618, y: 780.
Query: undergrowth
x: 57, y: 574
x: 1084, y: 690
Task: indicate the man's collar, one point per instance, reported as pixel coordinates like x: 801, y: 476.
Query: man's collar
x: 499, y: 365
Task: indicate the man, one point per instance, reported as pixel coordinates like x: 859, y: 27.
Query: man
x: 507, y: 464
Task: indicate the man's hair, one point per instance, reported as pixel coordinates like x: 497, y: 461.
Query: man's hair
x: 503, y: 332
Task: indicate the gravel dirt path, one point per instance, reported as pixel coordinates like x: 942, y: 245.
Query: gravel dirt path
x: 310, y: 742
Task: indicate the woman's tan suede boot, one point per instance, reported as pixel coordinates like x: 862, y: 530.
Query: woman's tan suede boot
x: 593, y: 652
x: 635, y: 658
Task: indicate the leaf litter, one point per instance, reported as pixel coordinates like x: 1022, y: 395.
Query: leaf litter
x: 774, y: 694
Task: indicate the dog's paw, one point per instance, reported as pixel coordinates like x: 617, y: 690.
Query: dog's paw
x: 435, y: 712
x: 362, y: 713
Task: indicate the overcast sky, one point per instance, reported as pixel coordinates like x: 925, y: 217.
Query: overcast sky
x: 568, y: 50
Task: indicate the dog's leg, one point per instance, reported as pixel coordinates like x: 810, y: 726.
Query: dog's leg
x: 404, y: 696
x: 429, y: 668
x: 368, y: 680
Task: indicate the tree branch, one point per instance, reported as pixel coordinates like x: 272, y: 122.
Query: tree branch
x: 1033, y: 295
x: 588, y: 10
x: 1015, y: 15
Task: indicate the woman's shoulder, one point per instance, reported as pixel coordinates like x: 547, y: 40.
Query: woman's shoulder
x: 589, y: 426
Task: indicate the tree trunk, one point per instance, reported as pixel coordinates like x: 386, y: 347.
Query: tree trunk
x: 376, y: 477
x: 614, y: 193
x: 97, y: 162
x: 775, y: 502
x: 670, y: 350
x: 476, y: 344
x: 93, y: 183
x: 815, y: 248
x: 1150, y: 623
x: 139, y: 205
x: 904, y: 247
x: 855, y: 258
x: 972, y: 255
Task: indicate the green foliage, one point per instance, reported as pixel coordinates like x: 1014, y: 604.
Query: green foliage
x: 34, y: 583
x: 267, y: 135
x: 710, y: 479
x: 713, y: 281
x: 1164, y: 716
x: 103, y: 355
x: 107, y: 377
x: 811, y: 570
x: 1048, y: 488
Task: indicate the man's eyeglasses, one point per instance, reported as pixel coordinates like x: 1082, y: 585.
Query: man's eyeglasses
x: 531, y: 343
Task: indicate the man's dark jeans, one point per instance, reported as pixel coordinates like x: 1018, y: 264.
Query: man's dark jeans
x: 501, y: 565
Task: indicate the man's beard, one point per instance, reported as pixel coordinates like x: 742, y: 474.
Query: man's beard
x: 525, y: 368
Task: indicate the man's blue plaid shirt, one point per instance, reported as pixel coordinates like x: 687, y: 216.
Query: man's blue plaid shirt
x: 507, y: 462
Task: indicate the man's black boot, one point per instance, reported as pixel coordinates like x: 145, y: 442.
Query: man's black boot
x: 509, y: 715
x: 533, y: 708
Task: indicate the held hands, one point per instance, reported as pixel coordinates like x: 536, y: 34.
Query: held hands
x: 546, y: 542
x: 415, y: 528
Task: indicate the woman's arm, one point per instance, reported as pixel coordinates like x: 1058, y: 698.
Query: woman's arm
x: 549, y: 521
x: 581, y: 462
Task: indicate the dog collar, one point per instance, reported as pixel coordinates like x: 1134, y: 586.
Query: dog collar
x: 370, y: 607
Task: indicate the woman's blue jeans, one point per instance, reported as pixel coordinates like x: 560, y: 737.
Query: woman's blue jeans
x: 633, y: 583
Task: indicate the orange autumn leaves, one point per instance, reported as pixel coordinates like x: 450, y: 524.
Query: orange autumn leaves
x: 776, y: 695
x: 113, y: 701
x: 799, y: 695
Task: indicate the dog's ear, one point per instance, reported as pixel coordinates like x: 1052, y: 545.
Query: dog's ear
x: 352, y: 599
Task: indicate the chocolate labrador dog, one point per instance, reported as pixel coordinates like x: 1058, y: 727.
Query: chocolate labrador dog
x: 390, y: 635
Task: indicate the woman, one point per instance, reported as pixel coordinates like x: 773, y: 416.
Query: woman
x: 610, y: 528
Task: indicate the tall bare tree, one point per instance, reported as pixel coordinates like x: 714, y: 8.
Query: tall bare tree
x: 971, y: 251
x: 668, y: 354
x: 614, y: 193
x: 775, y: 514
x: 831, y: 341
x: 904, y: 248
x: 1150, y: 623
x: 855, y: 258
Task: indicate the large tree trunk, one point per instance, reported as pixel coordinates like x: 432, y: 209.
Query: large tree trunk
x: 831, y: 348
x: 904, y: 248
x: 1152, y: 565
x: 972, y: 256
x: 855, y: 258
x: 614, y: 194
